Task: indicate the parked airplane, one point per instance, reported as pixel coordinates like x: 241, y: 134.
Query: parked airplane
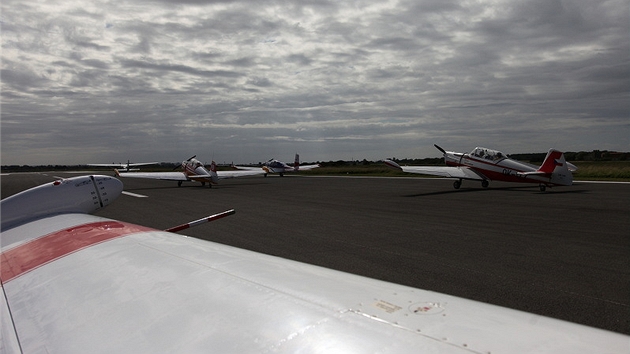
x: 484, y: 165
x: 193, y: 170
x: 78, y: 283
x: 127, y: 167
x: 275, y: 166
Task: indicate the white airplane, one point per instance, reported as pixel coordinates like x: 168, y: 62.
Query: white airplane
x: 78, y: 283
x: 275, y: 166
x: 193, y: 170
x: 127, y: 167
x: 484, y: 165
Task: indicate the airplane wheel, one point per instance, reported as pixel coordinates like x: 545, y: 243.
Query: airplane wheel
x: 265, y: 175
x: 457, y: 184
x: 484, y: 183
x: 542, y: 187
x: 282, y: 175
x: 179, y: 183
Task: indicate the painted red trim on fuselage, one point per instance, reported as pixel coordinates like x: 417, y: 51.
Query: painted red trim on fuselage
x: 34, y: 254
x: 496, y: 175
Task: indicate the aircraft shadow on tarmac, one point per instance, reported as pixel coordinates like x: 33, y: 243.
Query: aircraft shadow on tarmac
x: 522, y: 189
x: 192, y: 186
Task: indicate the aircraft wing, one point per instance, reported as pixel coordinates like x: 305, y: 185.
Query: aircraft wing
x: 76, y: 283
x: 248, y: 168
x: 443, y: 171
x: 243, y: 173
x: 169, y: 176
x: 122, y: 165
x: 308, y: 167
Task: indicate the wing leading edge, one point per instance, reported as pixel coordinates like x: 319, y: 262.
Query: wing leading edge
x: 442, y: 171
x: 167, y: 176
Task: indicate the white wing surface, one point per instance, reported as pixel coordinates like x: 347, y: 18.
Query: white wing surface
x: 307, y: 167
x: 76, y: 283
x: 248, y: 168
x: 169, y: 176
x: 180, y: 176
x: 122, y: 165
x: 243, y: 173
x: 443, y: 171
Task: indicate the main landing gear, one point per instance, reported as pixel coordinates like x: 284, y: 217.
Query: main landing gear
x: 542, y: 187
x: 458, y: 183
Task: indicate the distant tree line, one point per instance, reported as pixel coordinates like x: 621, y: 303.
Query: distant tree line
x: 595, y: 155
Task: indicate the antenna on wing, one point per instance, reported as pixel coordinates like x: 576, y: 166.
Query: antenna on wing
x: 201, y: 221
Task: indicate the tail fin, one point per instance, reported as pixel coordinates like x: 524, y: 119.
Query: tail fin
x: 553, y: 159
x: 557, y: 167
x: 296, y: 163
x: 213, y: 172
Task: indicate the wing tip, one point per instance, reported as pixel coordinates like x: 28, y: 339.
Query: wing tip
x: 392, y: 164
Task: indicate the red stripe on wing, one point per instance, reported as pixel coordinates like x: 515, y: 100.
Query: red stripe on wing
x: 51, y: 247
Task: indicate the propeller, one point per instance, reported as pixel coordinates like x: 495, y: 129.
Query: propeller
x: 439, y: 148
x: 190, y: 158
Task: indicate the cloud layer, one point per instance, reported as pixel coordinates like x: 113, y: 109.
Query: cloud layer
x: 245, y: 81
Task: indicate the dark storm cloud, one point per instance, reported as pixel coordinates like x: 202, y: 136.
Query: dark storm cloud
x: 246, y: 81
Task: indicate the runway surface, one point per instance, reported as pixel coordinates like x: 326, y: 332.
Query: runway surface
x: 564, y: 253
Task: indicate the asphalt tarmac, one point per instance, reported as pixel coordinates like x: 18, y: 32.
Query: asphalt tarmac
x: 564, y: 253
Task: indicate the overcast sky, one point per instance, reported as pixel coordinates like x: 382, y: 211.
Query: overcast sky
x: 245, y: 81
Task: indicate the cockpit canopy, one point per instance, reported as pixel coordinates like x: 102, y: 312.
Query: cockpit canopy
x: 487, y: 154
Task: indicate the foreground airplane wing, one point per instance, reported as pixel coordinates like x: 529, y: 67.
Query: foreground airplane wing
x: 443, y: 171
x: 76, y: 283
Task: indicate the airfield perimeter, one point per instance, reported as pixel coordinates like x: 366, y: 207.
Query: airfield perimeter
x: 564, y: 253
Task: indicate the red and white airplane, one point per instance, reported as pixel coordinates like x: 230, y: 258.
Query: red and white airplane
x: 275, y: 166
x: 484, y: 165
x: 193, y: 170
x: 78, y: 283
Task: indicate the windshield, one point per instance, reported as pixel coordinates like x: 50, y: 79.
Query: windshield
x: 487, y: 154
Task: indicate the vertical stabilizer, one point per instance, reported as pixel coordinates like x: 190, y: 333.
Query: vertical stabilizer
x: 555, y: 165
x: 213, y: 172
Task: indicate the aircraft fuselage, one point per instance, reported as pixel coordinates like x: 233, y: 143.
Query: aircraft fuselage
x: 499, y: 168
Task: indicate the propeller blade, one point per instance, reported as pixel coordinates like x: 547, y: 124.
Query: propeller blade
x: 439, y: 148
x: 188, y: 159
